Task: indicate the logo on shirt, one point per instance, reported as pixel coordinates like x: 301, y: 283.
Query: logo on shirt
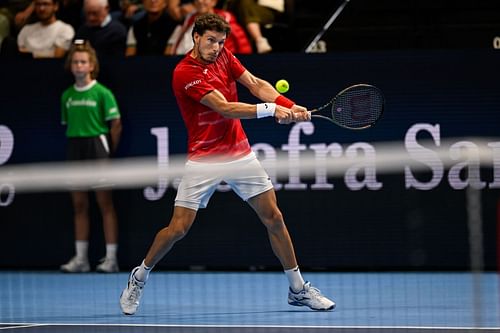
x: 82, y: 102
x: 190, y: 84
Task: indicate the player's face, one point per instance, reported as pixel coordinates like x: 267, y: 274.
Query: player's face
x: 209, y: 45
x: 81, y: 66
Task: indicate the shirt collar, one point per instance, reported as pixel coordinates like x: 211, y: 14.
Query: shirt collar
x: 106, y: 21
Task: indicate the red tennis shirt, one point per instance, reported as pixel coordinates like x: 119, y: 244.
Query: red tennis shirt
x: 209, y: 133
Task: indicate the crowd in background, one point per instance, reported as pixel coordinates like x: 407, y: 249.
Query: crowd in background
x: 47, y: 28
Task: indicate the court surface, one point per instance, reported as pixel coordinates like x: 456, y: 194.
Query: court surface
x: 250, y: 302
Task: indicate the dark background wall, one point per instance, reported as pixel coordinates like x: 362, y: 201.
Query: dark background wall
x: 394, y: 24
x: 389, y: 228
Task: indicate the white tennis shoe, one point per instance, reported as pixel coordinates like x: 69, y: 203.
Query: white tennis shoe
x: 131, y: 296
x: 76, y: 265
x: 311, y: 297
x: 108, y: 265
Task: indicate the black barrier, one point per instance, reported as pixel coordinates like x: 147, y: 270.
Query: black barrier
x: 392, y: 221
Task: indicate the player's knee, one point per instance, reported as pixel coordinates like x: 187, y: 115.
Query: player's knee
x: 274, y: 220
x: 178, y: 231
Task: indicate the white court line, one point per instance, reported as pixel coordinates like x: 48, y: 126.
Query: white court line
x: 256, y: 326
x: 20, y: 326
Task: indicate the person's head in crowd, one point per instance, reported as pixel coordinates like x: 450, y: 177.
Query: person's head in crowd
x: 155, y: 7
x: 45, y: 10
x: 96, y: 12
x: 205, y: 6
x: 82, y: 61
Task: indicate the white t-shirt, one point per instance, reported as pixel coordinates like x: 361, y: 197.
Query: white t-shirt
x: 41, y: 40
x: 183, y: 42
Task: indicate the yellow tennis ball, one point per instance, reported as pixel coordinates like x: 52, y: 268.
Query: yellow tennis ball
x: 282, y: 86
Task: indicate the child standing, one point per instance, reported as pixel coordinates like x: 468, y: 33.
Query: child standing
x: 90, y: 112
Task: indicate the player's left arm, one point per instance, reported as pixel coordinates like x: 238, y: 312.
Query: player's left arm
x: 264, y: 91
x: 261, y: 89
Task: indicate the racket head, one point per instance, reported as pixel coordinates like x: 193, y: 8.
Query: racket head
x: 357, y: 107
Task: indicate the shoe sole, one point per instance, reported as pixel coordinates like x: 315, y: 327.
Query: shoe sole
x: 294, y: 303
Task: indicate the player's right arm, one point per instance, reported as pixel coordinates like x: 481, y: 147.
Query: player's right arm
x: 216, y: 101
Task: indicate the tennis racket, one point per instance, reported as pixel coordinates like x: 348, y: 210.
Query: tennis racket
x: 356, y: 107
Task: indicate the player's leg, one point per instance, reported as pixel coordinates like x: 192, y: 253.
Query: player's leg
x: 179, y: 225
x: 79, y: 263
x: 181, y: 222
x: 300, y: 293
x: 256, y: 188
x: 193, y: 193
x: 266, y: 207
x: 109, y: 263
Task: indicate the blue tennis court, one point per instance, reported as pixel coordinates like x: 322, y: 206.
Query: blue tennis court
x: 250, y: 301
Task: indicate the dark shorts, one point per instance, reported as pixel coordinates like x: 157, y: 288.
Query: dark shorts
x: 92, y: 148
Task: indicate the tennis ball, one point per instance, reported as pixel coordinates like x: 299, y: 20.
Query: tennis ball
x: 282, y: 86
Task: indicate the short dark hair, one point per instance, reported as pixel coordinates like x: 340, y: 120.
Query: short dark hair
x: 212, y: 22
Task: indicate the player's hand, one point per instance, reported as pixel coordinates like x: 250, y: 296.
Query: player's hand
x: 283, y: 115
x: 300, y: 113
x: 297, y: 114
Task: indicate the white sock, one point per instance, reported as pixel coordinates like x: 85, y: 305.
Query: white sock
x: 142, y: 274
x: 81, y: 248
x: 295, y: 279
x: 111, y: 250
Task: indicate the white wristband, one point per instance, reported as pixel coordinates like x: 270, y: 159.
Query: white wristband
x: 265, y: 110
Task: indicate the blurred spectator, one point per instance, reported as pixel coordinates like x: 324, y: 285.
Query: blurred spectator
x: 47, y: 38
x: 130, y: 11
x: 149, y: 35
x: 25, y: 16
x: 256, y: 13
x: 108, y: 37
x: 181, y: 40
x: 4, y: 26
x: 180, y: 9
x: 71, y: 12
x: 14, y: 14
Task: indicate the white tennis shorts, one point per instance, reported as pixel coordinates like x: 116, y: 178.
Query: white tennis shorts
x: 245, y: 176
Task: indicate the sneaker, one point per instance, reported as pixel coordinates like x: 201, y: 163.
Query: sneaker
x: 76, y: 265
x: 311, y: 297
x: 131, y: 296
x: 263, y: 45
x: 107, y: 266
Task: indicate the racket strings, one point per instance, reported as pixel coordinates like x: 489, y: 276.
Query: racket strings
x: 358, y: 107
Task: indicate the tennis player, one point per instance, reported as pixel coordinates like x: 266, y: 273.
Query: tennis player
x: 204, y: 84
